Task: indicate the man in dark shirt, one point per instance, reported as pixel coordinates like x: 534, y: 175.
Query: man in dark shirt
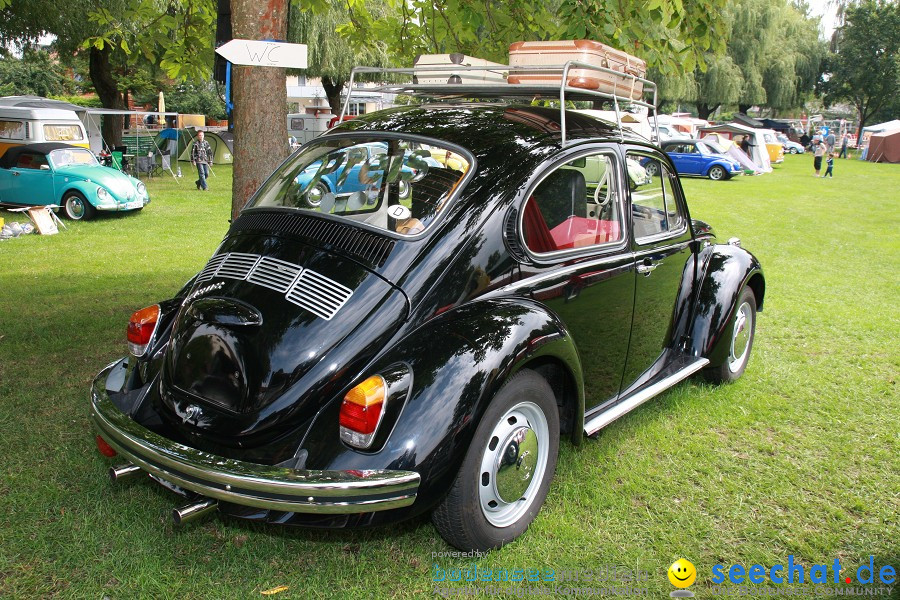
x: 201, y: 156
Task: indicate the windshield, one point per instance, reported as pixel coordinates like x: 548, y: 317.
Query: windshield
x: 396, y: 185
x: 74, y: 157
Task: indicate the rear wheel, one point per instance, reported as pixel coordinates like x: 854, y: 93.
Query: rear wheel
x: 794, y: 151
x: 314, y: 196
x: 76, y: 207
x: 652, y: 168
x: 741, y: 331
x: 506, y: 473
x: 717, y: 173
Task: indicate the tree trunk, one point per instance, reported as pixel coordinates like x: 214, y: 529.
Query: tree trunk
x: 743, y: 108
x: 705, y: 110
x: 108, y: 90
x: 333, y: 91
x: 260, y: 101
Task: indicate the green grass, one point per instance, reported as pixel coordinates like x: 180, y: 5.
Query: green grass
x: 798, y: 457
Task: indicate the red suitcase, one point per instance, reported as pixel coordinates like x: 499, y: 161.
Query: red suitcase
x: 524, y: 54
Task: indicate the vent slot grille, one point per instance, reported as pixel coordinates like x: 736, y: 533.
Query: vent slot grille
x: 318, y: 294
x: 362, y: 244
x: 237, y: 265
x: 209, y: 271
x: 306, y: 288
x: 512, y: 240
x: 274, y: 274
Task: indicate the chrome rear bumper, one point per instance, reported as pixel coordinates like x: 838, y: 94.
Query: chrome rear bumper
x: 249, y: 484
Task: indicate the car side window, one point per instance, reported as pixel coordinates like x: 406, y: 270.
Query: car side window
x: 575, y: 206
x: 31, y: 161
x: 654, y: 210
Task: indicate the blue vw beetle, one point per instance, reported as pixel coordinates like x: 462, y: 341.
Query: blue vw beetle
x: 697, y: 157
x: 344, y: 173
x: 68, y: 176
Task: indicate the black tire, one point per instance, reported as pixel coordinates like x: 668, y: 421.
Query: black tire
x: 734, y: 365
x: 313, y: 198
x: 652, y: 168
x: 717, y: 173
x: 76, y: 207
x: 513, y: 421
x: 794, y: 151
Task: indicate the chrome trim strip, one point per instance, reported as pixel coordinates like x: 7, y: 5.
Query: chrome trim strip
x: 632, y: 402
x: 536, y: 279
x: 249, y: 484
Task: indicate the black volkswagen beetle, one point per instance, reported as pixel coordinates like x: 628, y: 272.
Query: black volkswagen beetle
x: 374, y: 356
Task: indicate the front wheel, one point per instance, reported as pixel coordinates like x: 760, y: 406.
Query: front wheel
x: 507, y: 470
x: 741, y: 332
x: 313, y: 198
x: 717, y: 173
x: 76, y: 207
x: 794, y: 151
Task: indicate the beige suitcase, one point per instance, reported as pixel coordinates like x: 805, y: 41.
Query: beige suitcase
x: 497, y: 74
x: 524, y: 54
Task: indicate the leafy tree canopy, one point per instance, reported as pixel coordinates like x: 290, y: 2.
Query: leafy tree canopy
x: 865, y: 69
x: 34, y: 74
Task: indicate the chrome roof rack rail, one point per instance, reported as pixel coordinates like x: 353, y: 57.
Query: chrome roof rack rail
x: 513, y: 90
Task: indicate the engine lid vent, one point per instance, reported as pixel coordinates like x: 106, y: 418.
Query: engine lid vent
x: 362, y: 244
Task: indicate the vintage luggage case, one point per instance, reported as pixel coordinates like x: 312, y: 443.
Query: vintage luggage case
x: 558, y: 53
x: 495, y: 75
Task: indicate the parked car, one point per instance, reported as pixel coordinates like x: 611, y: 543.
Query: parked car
x: 354, y: 364
x: 54, y: 173
x: 789, y: 146
x: 698, y: 157
x: 345, y: 173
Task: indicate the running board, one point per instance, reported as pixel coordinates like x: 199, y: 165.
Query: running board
x: 631, y: 402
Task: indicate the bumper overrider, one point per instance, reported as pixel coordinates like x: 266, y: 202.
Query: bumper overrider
x: 246, y: 483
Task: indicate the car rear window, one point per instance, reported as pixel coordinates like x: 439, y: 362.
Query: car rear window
x: 393, y: 184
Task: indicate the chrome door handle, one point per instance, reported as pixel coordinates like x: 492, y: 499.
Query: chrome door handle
x: 645, y: 269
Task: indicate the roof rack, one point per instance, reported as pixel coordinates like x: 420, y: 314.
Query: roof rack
x: 512, y: 90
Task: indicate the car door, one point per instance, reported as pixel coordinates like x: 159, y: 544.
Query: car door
x: 661, y: 243
x: 580, y: 266
x: 29, y: 181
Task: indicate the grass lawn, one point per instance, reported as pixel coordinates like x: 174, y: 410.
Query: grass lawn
x: 801, y: 456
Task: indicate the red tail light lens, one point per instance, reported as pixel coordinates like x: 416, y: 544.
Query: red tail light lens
x: 104, y: 448
x: 361, y: 412
x: 141, y: 328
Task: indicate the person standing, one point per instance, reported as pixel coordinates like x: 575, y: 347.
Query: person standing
x: 817, y: 155
x: 829, y: 142
x: 830, y: 167
x: 201, y: 156
x: 844, y: 141
x: 805, y: 140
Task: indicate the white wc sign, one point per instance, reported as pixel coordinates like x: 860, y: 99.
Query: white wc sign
x: 264, y: 54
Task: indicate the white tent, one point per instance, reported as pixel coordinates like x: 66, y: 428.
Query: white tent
x: 630, y: 121
x: 882, y: 127
x: 758, y: 152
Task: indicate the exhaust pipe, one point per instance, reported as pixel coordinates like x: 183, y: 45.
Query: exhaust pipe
x: 121, y: 472
x: 194, y: 510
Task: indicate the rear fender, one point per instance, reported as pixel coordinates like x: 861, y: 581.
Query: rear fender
x: 725, y: 271
x: 457, y: 362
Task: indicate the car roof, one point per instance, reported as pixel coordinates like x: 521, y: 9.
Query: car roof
x: 11, y: 157
x: 481, y: 127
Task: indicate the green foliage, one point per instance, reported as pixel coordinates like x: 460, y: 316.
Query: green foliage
x: 89, y: 101
x: 196, y: 98
x: 36, y: 73
x: 773, y: 59
x: 866, y: 67
x: 176, y: 36
x: 669, y: 34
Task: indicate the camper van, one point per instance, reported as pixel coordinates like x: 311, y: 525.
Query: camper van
x: 19, y: 126
x: 774, y: 147
x: 304, y: 127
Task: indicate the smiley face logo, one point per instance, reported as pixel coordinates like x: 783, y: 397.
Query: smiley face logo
x: 682, y: 573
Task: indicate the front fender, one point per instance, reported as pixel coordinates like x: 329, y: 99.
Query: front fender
x: 725, y: 271
x: 86, y: 189
x: 458, y: 362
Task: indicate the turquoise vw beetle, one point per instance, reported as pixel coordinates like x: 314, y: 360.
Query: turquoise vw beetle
x: 67, y: 176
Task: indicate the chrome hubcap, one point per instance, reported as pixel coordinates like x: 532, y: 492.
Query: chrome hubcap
x: 513, y: 464
x: 314, y: 196
x: 740, y: 339
x: 403, y: 189
x: 76, y: 208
